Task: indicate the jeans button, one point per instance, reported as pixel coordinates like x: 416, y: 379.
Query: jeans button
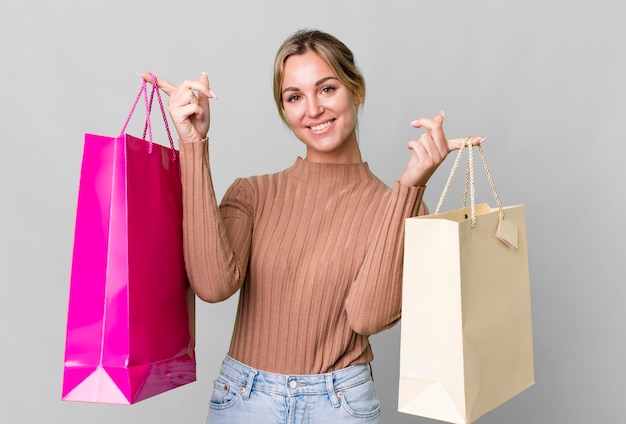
x: 293, y: 384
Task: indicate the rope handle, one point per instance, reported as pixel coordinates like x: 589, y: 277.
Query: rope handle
x: 149, y: 112
x: 469, y: 180
x: 147, y: 131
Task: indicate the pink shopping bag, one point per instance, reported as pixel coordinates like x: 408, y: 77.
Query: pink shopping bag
x: 130, y: 325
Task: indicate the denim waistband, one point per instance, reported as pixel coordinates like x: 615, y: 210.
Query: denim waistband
x: 293, y: 385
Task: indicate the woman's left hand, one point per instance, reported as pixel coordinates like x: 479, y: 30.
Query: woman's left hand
x: 430, y: 150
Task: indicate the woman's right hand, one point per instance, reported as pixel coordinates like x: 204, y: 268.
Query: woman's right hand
x: 190, y: 112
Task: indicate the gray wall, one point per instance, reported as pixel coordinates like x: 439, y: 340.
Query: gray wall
x: 543, y: 80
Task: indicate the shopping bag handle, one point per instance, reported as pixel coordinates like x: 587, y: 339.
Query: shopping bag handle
x: 148, y: 104
x: 469, y: 180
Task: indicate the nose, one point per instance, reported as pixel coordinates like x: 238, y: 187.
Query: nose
x: 314, y: 108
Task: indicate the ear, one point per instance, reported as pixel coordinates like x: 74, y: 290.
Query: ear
x: 358, y: 98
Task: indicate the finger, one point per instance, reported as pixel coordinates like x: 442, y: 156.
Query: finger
x: 209, y: 94
x: 435, y: 129
x: 456, y: 143
x: 182, y: 96
x: 201, y: 85
x: 187, y: 111
x: 167, y: 87
x: 433, y: 151
x: 429, y: 123
x: 203, y: 96
x: 180, y: 102
x: 417, y: 147
x: 417, y: 153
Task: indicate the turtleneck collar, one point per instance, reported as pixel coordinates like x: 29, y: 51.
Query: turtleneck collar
x: 318, y: 170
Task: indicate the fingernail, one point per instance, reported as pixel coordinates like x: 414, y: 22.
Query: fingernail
x: 213, y: 95
x: 482, y: 139
x: 442, y: 113
x: 414, y: 122
x: 203, y: 73
x: 147, y: 79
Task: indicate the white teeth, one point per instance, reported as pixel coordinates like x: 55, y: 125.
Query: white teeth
x: 320, y: 126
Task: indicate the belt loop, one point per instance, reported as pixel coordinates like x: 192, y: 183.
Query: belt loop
x: 251, y: 376
x: 330, y: 388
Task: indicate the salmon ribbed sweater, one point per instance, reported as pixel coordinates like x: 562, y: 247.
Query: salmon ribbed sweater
x: 315, y: 250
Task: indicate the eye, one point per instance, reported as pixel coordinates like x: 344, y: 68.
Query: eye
x: 328, y: 89
x: 293, y: 98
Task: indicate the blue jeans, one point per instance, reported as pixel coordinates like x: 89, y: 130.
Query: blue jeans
x: 244, y: 395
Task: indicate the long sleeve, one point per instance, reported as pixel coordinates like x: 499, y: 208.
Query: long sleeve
x: 375, y: 298
x: 216, y: 243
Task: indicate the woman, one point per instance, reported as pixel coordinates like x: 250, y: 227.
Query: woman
x: 316, y: 249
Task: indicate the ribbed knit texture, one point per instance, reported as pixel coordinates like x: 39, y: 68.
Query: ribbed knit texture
x: 316, y: 251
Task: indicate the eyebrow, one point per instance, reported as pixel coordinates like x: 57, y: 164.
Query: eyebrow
x: 319, y: 82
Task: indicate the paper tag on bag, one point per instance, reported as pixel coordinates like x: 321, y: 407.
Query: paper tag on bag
x: 507, y: 232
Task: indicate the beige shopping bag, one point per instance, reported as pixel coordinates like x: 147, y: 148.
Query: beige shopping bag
x: 466, y: 337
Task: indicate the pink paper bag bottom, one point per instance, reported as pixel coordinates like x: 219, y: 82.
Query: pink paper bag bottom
x: 126, y: 385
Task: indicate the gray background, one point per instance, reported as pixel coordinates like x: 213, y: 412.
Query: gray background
x: 543, y: 80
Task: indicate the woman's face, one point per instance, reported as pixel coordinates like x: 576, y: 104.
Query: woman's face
x: 320, y: 109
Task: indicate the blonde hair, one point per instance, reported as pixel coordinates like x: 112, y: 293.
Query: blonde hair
x: 334, y: 52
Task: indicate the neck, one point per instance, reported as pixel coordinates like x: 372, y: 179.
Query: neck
x: 349, y: 152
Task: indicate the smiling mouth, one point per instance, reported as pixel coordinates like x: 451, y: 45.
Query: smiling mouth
x: 323, y: 126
